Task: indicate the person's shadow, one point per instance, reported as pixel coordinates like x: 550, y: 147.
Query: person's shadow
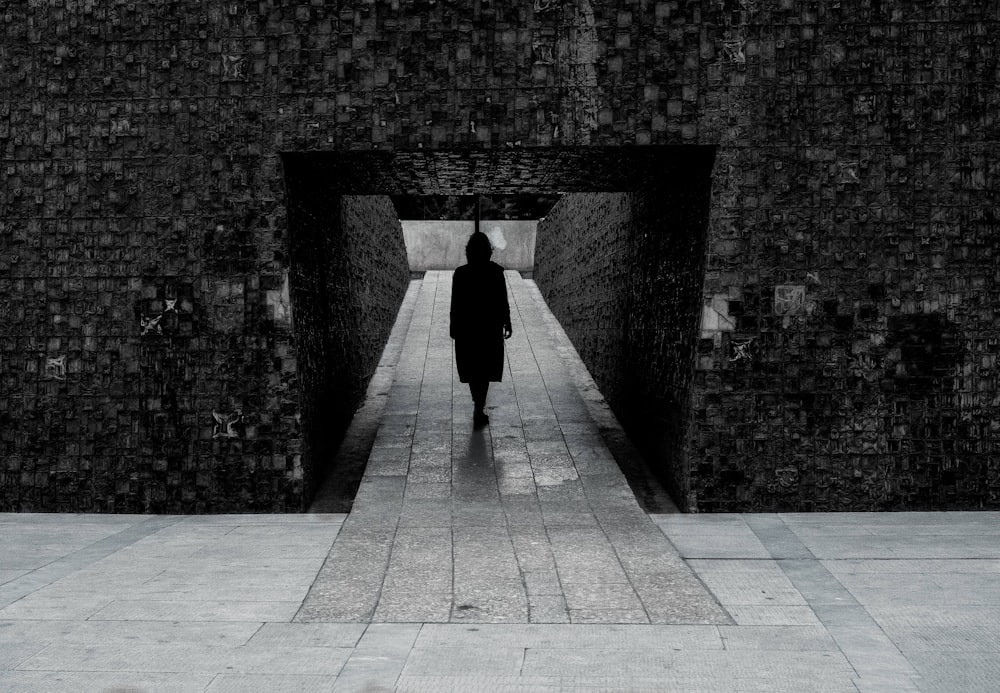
x: 474, y: 477
x: 477, y: 454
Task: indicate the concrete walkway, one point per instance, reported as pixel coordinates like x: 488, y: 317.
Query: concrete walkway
x: 511, y: 559
x: 526, y: 521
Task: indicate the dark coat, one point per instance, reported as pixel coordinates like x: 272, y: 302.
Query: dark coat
x: 479, y: 312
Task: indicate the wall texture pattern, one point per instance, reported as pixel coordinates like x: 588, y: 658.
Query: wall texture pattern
x: 846, y: 356
x: 849, y: 346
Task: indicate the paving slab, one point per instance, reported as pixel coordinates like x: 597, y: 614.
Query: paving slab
x: 103, y: 681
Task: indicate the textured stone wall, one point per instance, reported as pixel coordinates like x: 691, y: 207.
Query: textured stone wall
x: 848, y: 352
x: 622, y: 272
x: 847, y: 346
x: 582, y: 268
x: 349, y: 275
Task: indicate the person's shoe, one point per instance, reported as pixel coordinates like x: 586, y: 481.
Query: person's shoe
x: 479, y: 419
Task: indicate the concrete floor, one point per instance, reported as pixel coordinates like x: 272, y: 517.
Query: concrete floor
x: 511, y: 559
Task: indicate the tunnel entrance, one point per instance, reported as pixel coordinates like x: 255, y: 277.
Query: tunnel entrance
x: 619, y: 260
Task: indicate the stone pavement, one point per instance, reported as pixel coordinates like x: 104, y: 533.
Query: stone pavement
x: 526, y: 521
x: 511, y: 559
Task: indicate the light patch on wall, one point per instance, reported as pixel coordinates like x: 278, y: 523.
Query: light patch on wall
x: 495, y: 234
x: 279, y: 303
x: 440, y: 245
x: 715, y: 318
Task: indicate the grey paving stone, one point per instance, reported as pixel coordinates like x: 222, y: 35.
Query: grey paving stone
x: 850, y: 615
x: 220, y: 610
x: 74, y: 547
x: 815, y: 583
x: 968, y: 672
x: 271, y: 683
x: 617, y: 596
x: 703, y: 545
x: 616, y: 684
x: 605, y: 637
x: 340, y: 635
x: 289, y: 573
x: 416, y: 606
x: 745, y: 615
x: 172, y: 589
x: 803, y: 666
x: 779, y: 541
x: 933, y: 616
x: 590, y: 615
x: 388, y: 462
x: 573, y: 519
x: 541, y: 582
x: 777, y: 638
x: 876, y: 685
x: 13, y: 632
x: 679, y: 600
x: 59, y: 519
x: 109, y: 682
x: 12, y: 654
x: 41, y: 607
x: 8, y: 575
x: 984, y: 638
x: 517, y: 486
x: 461, y: 660
x: 349, y: 583
x: 950, y: 566
x: 752, y: 588
x: 547, y: 609
x: 378, y: 659
x: 157, y: 632
x: 808, y: 532
x: 427, y: 490
x: 185, y: 658
x: 712, y: 522
x: 485, y: 601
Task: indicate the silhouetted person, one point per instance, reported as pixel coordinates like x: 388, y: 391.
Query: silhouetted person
x: 480, y: 321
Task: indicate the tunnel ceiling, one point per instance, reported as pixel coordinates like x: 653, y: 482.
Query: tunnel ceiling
x: 497, y: 172
x: 512, y: 207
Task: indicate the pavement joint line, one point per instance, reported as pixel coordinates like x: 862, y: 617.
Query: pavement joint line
x: 544, y: 526
x: 776, y: 536
x: 45, y: 575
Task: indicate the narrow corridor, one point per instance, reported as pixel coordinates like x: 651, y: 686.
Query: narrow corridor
x: 526, y: 521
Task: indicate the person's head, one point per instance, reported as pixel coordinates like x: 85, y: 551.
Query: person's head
x: 479, y: 248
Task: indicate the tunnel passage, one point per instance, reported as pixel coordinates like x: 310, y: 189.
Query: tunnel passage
x: 619, y: 260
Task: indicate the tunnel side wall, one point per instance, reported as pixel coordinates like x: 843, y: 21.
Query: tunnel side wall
x: 622, y: 272
x: 349, y: 276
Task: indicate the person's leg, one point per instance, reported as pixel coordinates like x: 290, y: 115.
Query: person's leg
x: 479, y: 389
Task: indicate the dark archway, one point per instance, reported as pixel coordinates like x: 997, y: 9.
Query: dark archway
x: 628, y: 290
